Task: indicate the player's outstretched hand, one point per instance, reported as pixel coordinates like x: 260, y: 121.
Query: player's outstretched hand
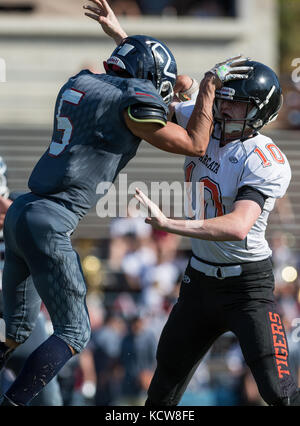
x: 157, y: 219
x: 103, y: 13
x: 232, y: 69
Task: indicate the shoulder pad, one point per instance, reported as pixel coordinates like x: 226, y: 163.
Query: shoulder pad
x: 147, y: 113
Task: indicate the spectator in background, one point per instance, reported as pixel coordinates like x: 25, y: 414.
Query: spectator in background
x: 134, y: 263
x: 126, y: 234
x: 131, y: 248
x: 205, y: 8
x: 105, y: 348
x: 293, y: 338
x: 125, y: 7
x: 159, y: 279
x: 286, y: 291
x: 138, y: 360
x: 154, y: 7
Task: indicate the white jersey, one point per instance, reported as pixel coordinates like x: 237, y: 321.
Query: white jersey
x: 256, y: 162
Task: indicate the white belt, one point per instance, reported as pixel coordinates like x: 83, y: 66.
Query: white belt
x: 219, y: 272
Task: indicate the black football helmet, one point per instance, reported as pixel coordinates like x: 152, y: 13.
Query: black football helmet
x: 262, y: 93
x: 145, y: 57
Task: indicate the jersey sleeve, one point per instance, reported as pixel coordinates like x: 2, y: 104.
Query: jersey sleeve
x: 141, y: 92
x: 270, y: 177
x: 183, y: 111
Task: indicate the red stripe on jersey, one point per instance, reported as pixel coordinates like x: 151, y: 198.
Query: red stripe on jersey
x: 144, y: 94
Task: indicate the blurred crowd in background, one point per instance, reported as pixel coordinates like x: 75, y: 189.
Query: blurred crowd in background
x: 133, y: 281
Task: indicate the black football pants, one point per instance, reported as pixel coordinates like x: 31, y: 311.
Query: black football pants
x: 208, y: 307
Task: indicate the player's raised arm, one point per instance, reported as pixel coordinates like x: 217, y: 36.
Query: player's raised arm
x: 194, y: 140
x: 173, y: 138
x: 101, y: 12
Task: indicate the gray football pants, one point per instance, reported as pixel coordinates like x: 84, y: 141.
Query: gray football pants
x: 38, y: 245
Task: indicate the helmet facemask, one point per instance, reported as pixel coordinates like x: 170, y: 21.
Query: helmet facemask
x: 164, y: 79
x: 166, y: 92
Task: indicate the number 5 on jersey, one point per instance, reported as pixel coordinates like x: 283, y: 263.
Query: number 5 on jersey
x: 63, y: 123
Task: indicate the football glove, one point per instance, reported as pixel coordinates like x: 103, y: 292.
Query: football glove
x: 231, y: 69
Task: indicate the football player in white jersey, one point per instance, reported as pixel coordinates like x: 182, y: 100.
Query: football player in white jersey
x: 228, y: 284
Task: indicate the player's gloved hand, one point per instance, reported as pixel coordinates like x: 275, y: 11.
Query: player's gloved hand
x: 231, y: 69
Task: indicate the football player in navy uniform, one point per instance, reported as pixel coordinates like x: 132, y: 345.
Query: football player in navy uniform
x: 51, y: 394
x: 99, y: 121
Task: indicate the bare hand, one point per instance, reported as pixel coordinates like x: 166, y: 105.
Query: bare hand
x: 104, y: 14
x: 156, y: 219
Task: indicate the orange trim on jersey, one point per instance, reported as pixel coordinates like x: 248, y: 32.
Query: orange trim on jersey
x: 188, y: 171
x: 265, y: 161
x: 271, y: 147
x: 215, y: 193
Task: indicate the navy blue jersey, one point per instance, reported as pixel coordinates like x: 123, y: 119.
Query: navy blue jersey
x: 91, y: 142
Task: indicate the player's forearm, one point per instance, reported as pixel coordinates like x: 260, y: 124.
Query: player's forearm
x: 170, y: 138
x: 223, y: 228
x: 119, y: 36
x: 200, y: 125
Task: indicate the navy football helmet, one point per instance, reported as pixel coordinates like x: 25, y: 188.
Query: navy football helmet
x: 145, y: 57
x: 261, y: 92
